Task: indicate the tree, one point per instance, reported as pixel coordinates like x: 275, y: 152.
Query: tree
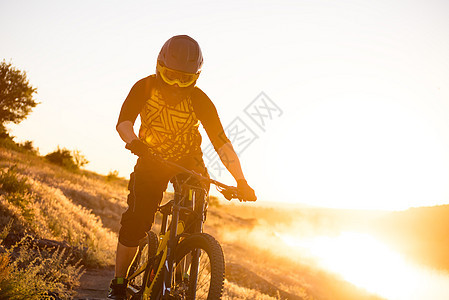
x: 16, y: 95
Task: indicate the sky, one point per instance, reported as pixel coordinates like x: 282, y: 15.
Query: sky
x: 332, y: 103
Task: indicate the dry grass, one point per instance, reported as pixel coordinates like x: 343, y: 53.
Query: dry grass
x: 235, y: 292
x: 35, y: 273
x: 63, y: 206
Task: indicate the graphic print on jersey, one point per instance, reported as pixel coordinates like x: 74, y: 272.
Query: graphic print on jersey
x: 170, y: 131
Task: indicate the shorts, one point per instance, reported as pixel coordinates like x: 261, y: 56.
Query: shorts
x: 146, y: 188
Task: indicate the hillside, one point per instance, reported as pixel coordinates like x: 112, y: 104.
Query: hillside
x: 80, y: 212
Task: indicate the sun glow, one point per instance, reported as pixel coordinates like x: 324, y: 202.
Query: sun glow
x: 380, y: 153
x: 368, y: 263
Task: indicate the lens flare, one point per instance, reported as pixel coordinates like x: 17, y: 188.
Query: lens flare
x: 368, y: 263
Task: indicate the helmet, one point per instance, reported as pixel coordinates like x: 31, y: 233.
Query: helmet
x: 181, y: 53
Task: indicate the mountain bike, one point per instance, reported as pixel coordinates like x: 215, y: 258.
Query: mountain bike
x: 182, y: 262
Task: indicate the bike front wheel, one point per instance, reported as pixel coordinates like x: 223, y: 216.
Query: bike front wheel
x: 146, y: 251
x: 198, y: 270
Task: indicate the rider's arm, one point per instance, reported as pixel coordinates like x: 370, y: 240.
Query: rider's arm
x: 207, y: 114
x: 130, y: 110
x: 231, y: 161
x: 126, y: 131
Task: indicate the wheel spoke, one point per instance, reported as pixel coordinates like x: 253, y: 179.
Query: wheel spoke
x: 210, y: 261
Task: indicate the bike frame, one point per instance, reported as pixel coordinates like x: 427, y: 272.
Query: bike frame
x: 165, y: 255
x: 176, y: 230
x: 175, y: 236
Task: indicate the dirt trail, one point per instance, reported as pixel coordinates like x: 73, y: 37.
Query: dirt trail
x: 94, y: 284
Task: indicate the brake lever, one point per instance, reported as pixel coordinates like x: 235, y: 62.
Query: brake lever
x: 227, y: 195
x: 231, y: 193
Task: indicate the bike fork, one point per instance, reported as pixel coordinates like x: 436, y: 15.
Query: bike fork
x: 193, y: 278
x: 168, y: 265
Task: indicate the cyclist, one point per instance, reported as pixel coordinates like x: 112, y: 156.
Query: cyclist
x: 171, y: 107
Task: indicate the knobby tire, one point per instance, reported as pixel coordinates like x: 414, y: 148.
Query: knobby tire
x: 147, y: 249
x: 210, y: 278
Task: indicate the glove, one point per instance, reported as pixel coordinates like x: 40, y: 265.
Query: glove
x: 138, y: 148
x: 245, y: 190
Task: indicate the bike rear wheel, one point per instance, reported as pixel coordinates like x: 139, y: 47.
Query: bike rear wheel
x: 198, y: 270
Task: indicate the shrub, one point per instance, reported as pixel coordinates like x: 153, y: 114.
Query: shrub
x: 11, y: 183
x: 79, y: 159
x: 37, y: 274
x: 3, y: 132
x: 214, y: 201
x: 71, y: 160
x: 17, y: 189
x: 7, y: 141
x: 112, y: 175
x: 27, y: 146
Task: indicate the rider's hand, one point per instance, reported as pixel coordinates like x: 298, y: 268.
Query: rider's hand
x: 245, y: 190
x: 138, y: 148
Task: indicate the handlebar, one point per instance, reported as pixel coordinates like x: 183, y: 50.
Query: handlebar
x: 229, y: 192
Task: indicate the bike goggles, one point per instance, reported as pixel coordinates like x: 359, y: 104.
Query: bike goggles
x: 173, y: 77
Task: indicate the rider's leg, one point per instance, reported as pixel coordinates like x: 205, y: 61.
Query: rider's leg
x: 124, y: 257
x: 146, y: 186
